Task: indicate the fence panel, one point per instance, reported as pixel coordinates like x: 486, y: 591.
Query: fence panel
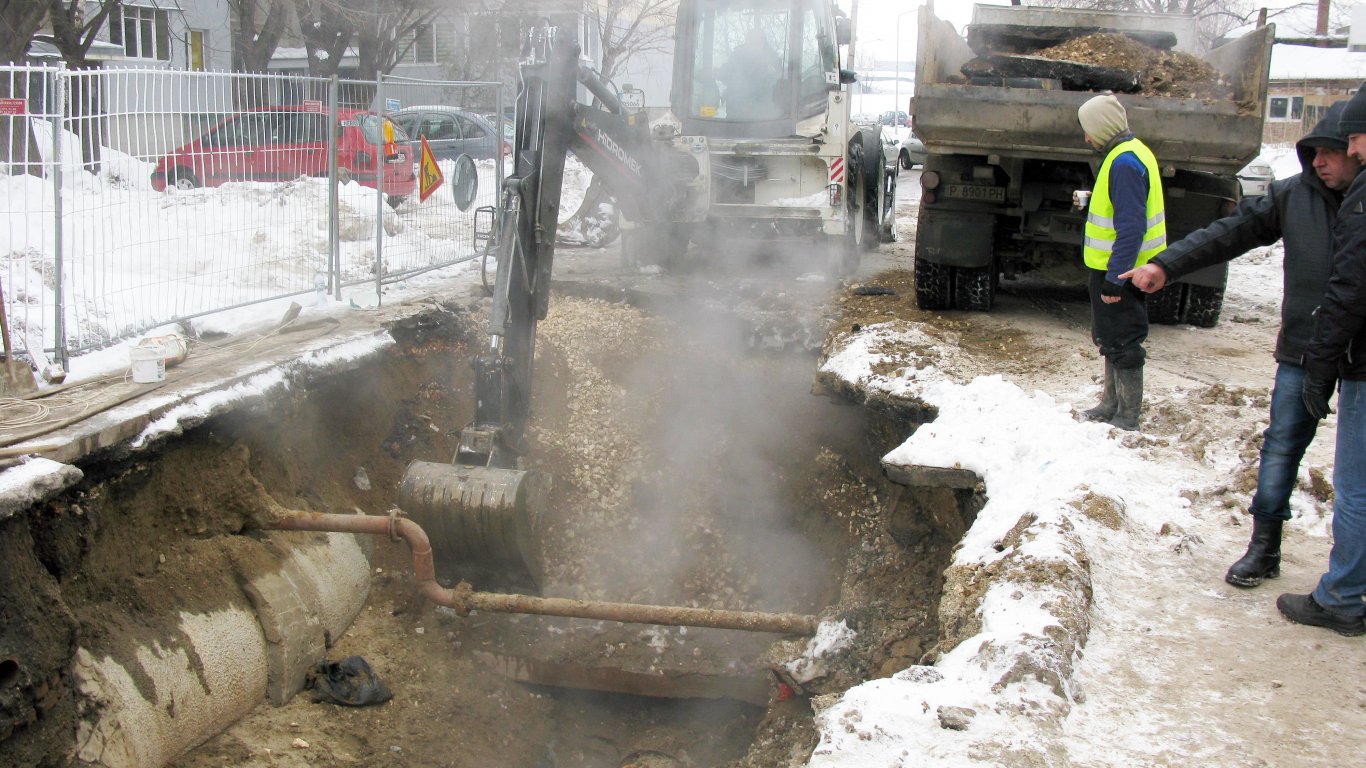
x: 456, y: 118
x: 28, y: 273
x: 186, y: 193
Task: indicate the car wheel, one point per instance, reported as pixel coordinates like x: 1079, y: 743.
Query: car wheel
x: 182, y: 178
x: 906, y: 160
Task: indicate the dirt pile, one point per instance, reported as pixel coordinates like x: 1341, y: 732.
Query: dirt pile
x: 1160, y: 72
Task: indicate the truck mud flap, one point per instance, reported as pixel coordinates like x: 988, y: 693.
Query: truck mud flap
x: 955, y: 238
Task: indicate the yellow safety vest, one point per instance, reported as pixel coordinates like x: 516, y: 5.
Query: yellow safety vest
x: 1099, y: 240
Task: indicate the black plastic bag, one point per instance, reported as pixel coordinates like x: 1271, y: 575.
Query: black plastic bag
x: 350, y: 682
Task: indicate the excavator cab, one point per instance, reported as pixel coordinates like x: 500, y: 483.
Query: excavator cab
x: 753, y: 67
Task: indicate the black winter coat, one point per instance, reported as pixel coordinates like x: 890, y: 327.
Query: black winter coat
x: 1302, y: 211
x: 1339, y: 343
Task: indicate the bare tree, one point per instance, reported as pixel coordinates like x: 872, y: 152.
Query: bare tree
x: 632, y: 27
x: 327, y: 30
x: 257, y: 27
x: 76, y: 26
x: 19, y: 22
x: 385, y: 32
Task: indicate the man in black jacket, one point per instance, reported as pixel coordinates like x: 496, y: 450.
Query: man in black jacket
x: 1301, y: 210
x: 1337, y: 353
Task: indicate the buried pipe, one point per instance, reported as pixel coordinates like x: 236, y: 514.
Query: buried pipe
x: 464, y: 599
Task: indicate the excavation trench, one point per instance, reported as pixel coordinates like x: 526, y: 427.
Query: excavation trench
x: 691, y: 470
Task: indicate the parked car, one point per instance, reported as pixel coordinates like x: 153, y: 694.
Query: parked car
x: 1256, y: 177
x: 451, y: 132
x: 284, y: 143
x: 912, y: 151
x: 901, y: 146
x: 895, y: 118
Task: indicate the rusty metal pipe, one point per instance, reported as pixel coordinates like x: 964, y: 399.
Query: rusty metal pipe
x: 751, y: 621
x: 464, y: 599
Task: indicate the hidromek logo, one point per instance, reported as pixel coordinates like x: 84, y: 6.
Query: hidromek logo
x: 617, y: 152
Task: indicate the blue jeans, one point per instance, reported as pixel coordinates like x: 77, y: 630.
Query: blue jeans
x: 1283, y: 444
x: 1342, y: 587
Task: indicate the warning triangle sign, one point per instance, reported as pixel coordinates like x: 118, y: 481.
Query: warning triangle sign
x: 429, y: 173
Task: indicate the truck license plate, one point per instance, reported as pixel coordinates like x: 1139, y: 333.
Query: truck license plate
x: 976, y: 192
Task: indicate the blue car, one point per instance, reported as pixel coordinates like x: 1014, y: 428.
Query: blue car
x: 451, y: 132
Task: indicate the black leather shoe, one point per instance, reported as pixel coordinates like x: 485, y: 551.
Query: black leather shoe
x: 1302, y: 609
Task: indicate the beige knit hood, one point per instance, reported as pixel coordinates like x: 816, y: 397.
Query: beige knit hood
x: 1103, y: 118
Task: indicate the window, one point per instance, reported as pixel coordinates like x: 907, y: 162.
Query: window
x: 437, y: 127
x: 144, y: 33
x: 247, y: 130
x: 194, y: 50
x: 299, y: 128
x: 470, y: 129
x: 741, y: 58
x: 424, y: 44
x: 1285, y: 107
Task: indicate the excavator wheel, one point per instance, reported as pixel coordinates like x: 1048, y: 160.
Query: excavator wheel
x: 872, y: 175
x: 479, y: 520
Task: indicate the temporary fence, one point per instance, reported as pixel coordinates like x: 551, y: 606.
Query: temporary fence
x: 133, y: 198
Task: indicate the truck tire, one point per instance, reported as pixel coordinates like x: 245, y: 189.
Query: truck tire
x: 1203, y: 304
x: 887, y: 202
x: 872, y: 178
x: 933, y: 285
x: 974, y: 288
x: 1164, y: 307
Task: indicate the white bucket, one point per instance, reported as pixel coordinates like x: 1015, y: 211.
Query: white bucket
x: 148, y: 364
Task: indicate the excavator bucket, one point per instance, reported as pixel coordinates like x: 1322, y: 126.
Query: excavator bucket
x: 482, y: 522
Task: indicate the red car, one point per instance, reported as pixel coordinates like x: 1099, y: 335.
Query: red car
x: 284, y: 143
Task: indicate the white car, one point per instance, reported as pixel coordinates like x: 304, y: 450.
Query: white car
x: 901, y: 146
x: 1256, y: 177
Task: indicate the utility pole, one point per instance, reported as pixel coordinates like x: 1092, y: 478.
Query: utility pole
x: 853, y: 22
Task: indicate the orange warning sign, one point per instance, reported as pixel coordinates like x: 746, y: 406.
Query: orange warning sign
x: 429, y: 173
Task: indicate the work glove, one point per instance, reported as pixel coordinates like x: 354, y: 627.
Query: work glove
x: 1317, y: 389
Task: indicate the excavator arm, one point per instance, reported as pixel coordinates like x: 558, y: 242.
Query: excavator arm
x: 618, y: 148
x: 485, y: 503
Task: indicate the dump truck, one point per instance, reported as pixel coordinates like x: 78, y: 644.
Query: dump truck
x: 1005, y: 152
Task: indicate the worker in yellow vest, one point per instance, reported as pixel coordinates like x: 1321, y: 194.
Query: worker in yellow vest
x: 1125, y: 227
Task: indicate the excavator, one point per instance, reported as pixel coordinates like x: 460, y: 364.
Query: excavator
x: 758, y: 145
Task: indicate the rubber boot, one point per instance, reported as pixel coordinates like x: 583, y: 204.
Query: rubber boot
x: 1129, y: 396
x: 1107, y: 405
x: 1263, y: 558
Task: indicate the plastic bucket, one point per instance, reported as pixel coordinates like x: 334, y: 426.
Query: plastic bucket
x: 148, y: 364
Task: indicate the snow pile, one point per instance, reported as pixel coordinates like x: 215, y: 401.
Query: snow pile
x: 830, y: 637
x: 1015, y: 609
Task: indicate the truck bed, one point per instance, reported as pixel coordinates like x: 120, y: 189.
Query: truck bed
x: 1212, y: 135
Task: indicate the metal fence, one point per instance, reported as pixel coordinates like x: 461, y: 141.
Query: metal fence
x: 135, y: 198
